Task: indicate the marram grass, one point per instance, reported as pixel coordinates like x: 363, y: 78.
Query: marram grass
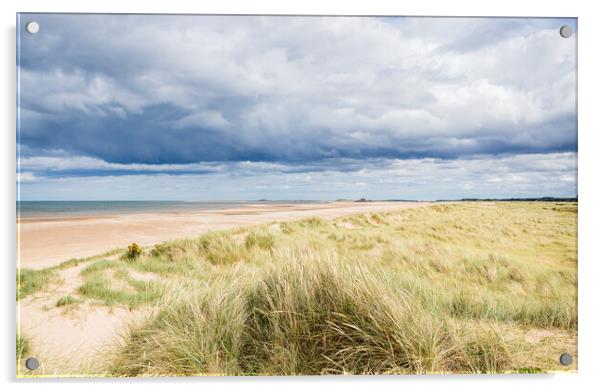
x: 309, y: 315
x: 452, y: 288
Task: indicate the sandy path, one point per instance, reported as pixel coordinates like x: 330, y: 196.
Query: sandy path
x: 47, y: 242
x: 72, y: 339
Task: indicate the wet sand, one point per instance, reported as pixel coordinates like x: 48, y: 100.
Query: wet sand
x: 47, y: 241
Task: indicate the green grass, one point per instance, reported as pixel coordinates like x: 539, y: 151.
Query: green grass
x: 98, y: 266
x: 121, y: 289
x: 220, y: 248
x: 66, y: 300
x: 22, y: 347
x: 32, y: 281
x: 71, y: 263
x: 262, y: 240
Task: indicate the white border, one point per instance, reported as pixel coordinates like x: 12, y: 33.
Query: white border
x: 590, y: 196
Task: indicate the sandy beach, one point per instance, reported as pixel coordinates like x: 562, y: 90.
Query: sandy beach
x: 46, y: 242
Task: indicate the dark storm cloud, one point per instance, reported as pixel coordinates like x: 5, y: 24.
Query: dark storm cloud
x: 180, y: 90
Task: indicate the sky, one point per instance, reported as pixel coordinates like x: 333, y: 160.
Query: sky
x: 167, y: 107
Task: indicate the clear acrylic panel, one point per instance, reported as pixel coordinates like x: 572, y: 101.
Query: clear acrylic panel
x: 295, y: 195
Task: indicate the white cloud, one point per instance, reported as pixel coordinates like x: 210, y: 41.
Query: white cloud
x: 386, y: 81
x: 208, y: 118
x: 25, y: 177
x: 513, y: 176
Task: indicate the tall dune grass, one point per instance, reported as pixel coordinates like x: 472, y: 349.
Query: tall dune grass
x: 445, y: 288
x: 441, y: 288
x: 308, y: 315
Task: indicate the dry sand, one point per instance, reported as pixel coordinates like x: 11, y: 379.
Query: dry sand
x: 47, y: 242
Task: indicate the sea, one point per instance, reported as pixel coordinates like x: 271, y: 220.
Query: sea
x: 58, y: 209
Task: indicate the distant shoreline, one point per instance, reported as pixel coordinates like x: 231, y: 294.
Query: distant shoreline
x: 30, y: 211
x: 47, y: 242
x: 70, y: 210
x: 526, y: 199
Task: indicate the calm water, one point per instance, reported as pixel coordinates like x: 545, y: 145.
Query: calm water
x: 37, y: 209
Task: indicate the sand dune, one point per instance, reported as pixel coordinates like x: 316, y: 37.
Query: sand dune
x: 49, y: 241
